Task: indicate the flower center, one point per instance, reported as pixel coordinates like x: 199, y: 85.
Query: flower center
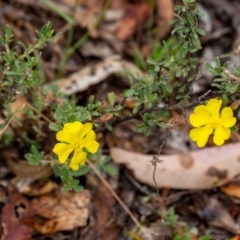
x: 78, y: 146
x: 214, y: 122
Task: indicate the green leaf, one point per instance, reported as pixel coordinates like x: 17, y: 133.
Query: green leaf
x: 108, y: 126
x: 168, y: 88
x: 81, y: 171
x: 8, y: 33
x: 35, y: 156
x: 152, y: 62
x: 2, y: 41
x: 55, y: 127
x: 111, y: 98
x: 225, y: 99
x: 91, y: 99
x: 129, y: 92
x: 77, y: 188
x: 65, y: 173
x: 151, y: 122
x: 34, y: 150
x: 11, y: 73
x: 161, y: 125
x: 57, y: 169
x: 171, y: 22
x: 179, y: 73
x: 200, y: 31
x: 110, y: 169
x: 234, y: 128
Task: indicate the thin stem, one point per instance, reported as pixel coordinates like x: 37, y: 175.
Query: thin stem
x: 155, y: 161
x: 53, y: 7
x: 13, y: 116
x: 134, y: 219
x: 69, y: 36
x: 36, y: 111
x: 71, y: 50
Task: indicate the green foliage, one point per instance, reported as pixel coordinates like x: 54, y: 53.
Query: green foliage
x: 187, y: 34
x: 103, y: 164
x: 180, y: 229
x: 34, y: 157
x: 226, y: 82
x: 18, y: 69
x: 66, y: 175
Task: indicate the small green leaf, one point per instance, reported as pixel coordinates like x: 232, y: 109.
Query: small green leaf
x: 57, y: 169
x: 225, y: 99
x: 168, y: 88
x: 55, y: 127
x: 8, y: 33
x: 77, y: 188
x: 234, y: 128
x: 108, y: 126
x: 200, y: 31
x: 161, y: 125
x: 111, y: 98
x: 81, y: 171
x: 179, y: 73
x: 129, y: 92
x: 151, y: 122
x: 110, y: 169
x: 65, y: 173
x: 151, y: 61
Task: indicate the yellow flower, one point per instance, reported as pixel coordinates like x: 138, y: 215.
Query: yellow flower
x: 74, y: 137
x: 207, y: 120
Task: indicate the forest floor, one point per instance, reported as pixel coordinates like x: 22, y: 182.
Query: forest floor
x: 100, y: 43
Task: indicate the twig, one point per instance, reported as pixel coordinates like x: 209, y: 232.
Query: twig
x: 36, y: 111
x: 12, y: 119
x: 134, y: 219
x: 155, y: 161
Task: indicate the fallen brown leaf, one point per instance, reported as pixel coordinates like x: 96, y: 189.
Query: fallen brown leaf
x: 135, y: 15
x: 16, y: 209
x: 201, y: 169
x: 212, y: 211
x: 231, y: 189
x: 60, y: 211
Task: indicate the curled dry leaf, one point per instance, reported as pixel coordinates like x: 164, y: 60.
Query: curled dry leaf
x: 106, y: 117
x: 219, y: 216
x: 199, y: 169
x: 213, y: 211
x: 60, y: 211
x: 95, y: 73
x: 22, y: 169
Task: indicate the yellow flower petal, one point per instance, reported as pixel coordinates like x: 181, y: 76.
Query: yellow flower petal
x: 214, y: 106
x: 63, y: 151
x: 227, y: 119
x: 200, y: 135
x: 92, y: 146
x: 90, y: 136
x: 70, y: 133
x: 87, y: 127
x: 79, y: 158
x: 200, y: 116
x: 220, y: 135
